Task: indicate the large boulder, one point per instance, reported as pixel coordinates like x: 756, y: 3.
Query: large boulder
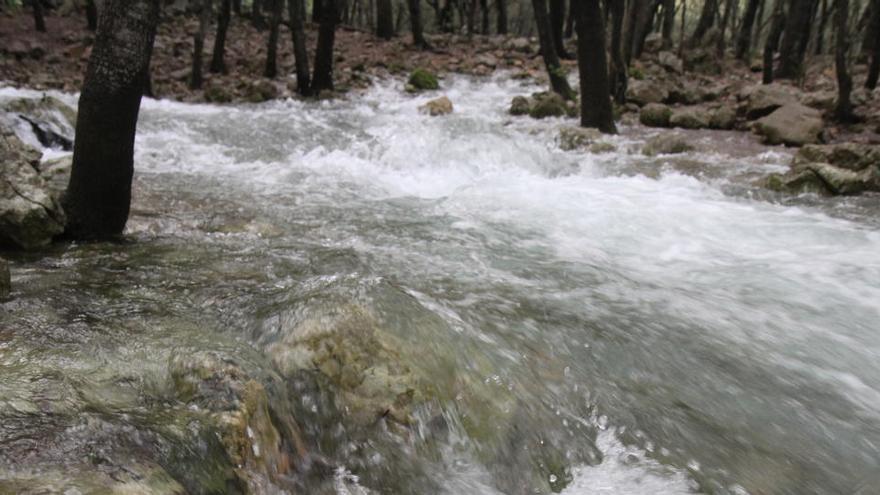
x: 690, y: 117
x: 29, y: 215
x: 655, y: 115
x: 851, y: 156
x: 763, y: 99
x: 670, y: 62
x: 666, y: 144
x: 722, y: 117
x: 792, y: 125
x: 646, y: 91
x: 50, y: 119
x: 437, y: 106
x: 5, y: 280
x: 834, y: 169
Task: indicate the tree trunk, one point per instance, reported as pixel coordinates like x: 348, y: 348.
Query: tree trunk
x: 668, y: 23
x: 39, y: 21
x: 558, y: 81
x: 98, y: 196
x: 743, y: 40
x: 706, y: 21
x: 644, y: 19
x: 629, y: 28
x: 296, y: 11
x: 776, y: 27
x: 874, y: 48
x: 236, y: 7
x: 446, y: 18
x: 573, y: 6
x: 317, y: 7
x: 277, y: 7
x: 593, y: 68
x: 795, y: 38
x: 684, y: 8
x: 257, y: 18
x: 843, y: 112
x: 218, y: 64
x: 870, y: 23
x: 725, y: 21
x: 91, y: 15
x: 618, y: 65
x: 484, y: 17
x: 502, y: 16
x: 820, y: 31
x: 557, y: 24
x: 384, y: 19
x: 415, y: 21
x: 196, y: 80
x: 759, y: 25
x: 322, y: 79
x: 471, y: 14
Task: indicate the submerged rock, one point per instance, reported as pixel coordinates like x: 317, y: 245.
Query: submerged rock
x: 666, y: 144
x: 655, y: 115
x: 520, y: 105
x: 437, y: 106
x: 792, y: 125
x: 549, y: 104
x: 29, y: 215
x: 572, y: 138
x: 423, y: 80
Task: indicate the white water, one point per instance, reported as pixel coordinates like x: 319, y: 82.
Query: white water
x: 736, y: 336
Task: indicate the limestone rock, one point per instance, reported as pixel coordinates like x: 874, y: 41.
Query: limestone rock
x: 572, y: 138
x: 437, y: 106
x: 797, y: 182
x: 217, y: 92
x: 763, y: 99
x: 643, y: 92
x: 655, y: 115
x: 670, y: 62
x: 666, y: 144
x: 722, y: 117
x: 690, y: 118
x: 261, y: 90
x: 793, y: 125
x: 851, y: 156
x: 51, y: 120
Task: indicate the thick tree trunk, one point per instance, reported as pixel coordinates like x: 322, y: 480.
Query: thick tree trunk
x: 557, y: 24
x: 874, y: 49
x: 668, y: 23
x: 415, y: 21
x: 98, y: 196
x: 39, y: 21
x: 744, y: 38
x: 706, y: 21
x: 646, y: 10
x: 776, y: 27
x: 502, y: 17
x: 296, y: 11
x: 795, y: 38
x: 322, y: 79
x: 558, y: 81
x: 218, y: 64
x: 593, y: 68
x: 618, y: 65
x: 484, y: 17
x: 277, y: 7
x: 843, y: 112
x: 196, y: 80
x: 91, y: 15
x: 384, y: 19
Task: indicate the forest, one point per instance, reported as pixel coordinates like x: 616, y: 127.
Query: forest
x: 481, y: 247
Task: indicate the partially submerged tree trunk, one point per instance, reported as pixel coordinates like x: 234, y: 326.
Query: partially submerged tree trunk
x: 218, y: 64
x: 706, y: 21
x: 557, y: 24
x: 296, y: 11
x: 98, y: 196
x: 322, y: 78
x: 744, y: 38
x: 618, y: 65
x: 595, y: 101
x: 776, y: 27
x: 502, y: 16
x: 39, y: 21
x: 195, y: 79
x: 795, y: 38
x: 91, y: 15
x: 384, y: 19
x: 843, y: 111
x: 277, y: 7
x: 558, y: 81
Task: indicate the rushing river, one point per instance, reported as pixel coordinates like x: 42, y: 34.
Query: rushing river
x: 616, y: 323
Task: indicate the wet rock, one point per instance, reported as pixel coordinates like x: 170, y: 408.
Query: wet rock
x: 797, y: 182
x: 423, y: 80
x: 5, y: 280
x: 436, y: 107
x: 549, y: 104
x: 261, y: 90
x: 722, y: 117
x: 792, y: 125
x: 670, y: 62
x: 51, y: 120
x: 216, y: 91
x: 572, y: 138
x: 850, y: 156
x: 690, y: 118
x: 520, y: 105
x: 29, y: 216
x: 841, y: 181
x: 56, y: 174
x: 643, y: 92
x: 602, y: 147
x: 655, y: 115
x: 764, y: 99
x: 666, y: 144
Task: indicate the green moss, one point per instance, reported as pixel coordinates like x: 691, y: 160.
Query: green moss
x: 423, y: 80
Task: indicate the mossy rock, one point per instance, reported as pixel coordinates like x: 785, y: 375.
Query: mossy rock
x: 217, y: 92
x: 548, y: 105
x: 666, y: 144
x: 423, y: 80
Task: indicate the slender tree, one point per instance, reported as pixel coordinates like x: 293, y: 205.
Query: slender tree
x: 39, y: 21
x: 820, y: 31
x: 415, y: 21
x: 236, y: 7
x: 759, y: 25
x: 196, y: 80
x: 484, y: 17
x: 296, y: 12
x: 322, y: 79
x: 777, y: 24
x: 706, y: 21
x: 668, y: 23
x: 593, y: 68
x: 557, y: 25
x: 618, y: 65
x: 98, y: 196
x: 743, y: 39
x: 874, y: 46
x: 645, y: 10
x: 277, y: 8
x: 502, y: 16
x: 725, y: 21
x: 257, y: 18
x: 384, y: 19
x: 91, y: 15
x: 218, y: 63
x: 795, y: 37
x: 843, y: 111
x: 317, y: 8
x: 573, y: 6
x: 558, y: 81
x: 684, y: 8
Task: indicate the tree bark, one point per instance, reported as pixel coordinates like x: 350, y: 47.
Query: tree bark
x: 593, y: 68
x: 91, y: 15
x: 573, y: 6
x: 236, y: 7
x: 502, y: 17
x: 668, y: 23
x: 218, y: 64
x: 706, y: 21
x: 629, y: 28
x: 322, y: 78
x: 776, y: 27
x: 759, y: 25
x: 725, y: 21
x: 384, y: 19
x: 196, y: 80
x: 874, y: 48
x: 820, y: 31
x: 744, y: 38
x: 98, y: 196
x: 415, y: 21
x: 484, y: 17
x: 795, y: 38
x: 317, y: 7
x: 684, y: 8
x: 558, y: 81
x: 39, y: 20
x: 618, y: 65
x: 644, y: 19
x: 296, y: 11
x: 277, y: 7
x: 557, y: 25
x: 843, y: 111
x: 257, y: 18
